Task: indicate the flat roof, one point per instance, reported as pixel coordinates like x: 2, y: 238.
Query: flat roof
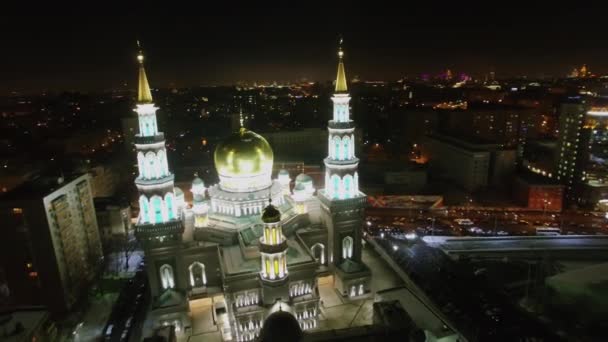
x: 523, y: 243
x: 38, y: 187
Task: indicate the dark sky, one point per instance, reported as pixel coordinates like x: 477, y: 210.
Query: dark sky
x: 94, y: 48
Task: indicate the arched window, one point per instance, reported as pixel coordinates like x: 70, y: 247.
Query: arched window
x: 318, y: 252
x: 348, y: 186
x: 162, y: 163
x: 170, y: 207
x: 166, y: 277
x: 347, y: 247
x: 336, y: 152
x: 335, y: 185
x: 276, y: 267
x: 149, y: 168
x: 144, y: 209
x: 346, y: 148
x: 198, y: 277
x: 157, y: 205
x: 140, y: 163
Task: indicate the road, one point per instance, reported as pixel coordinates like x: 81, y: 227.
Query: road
x: 487, y: 222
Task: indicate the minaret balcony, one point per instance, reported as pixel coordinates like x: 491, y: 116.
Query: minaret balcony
x: 148, y: 230
x: 272, y: 249
x: 152, y: 139
x: 154, y: 181
x: 345, y: 164
x: 342, y: 204
x: 341, y: 125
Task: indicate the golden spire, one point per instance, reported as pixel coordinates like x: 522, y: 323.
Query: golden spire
x: 341, y: 78
x: 144, y: 95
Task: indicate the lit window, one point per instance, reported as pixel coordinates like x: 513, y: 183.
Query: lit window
x: 17, y: 210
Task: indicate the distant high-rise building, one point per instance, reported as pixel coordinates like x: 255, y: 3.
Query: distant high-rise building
x: 50, y: 248
x: 571, y: 117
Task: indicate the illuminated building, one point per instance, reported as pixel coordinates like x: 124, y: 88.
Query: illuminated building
x: 255, y: 257
x: 50, y: 248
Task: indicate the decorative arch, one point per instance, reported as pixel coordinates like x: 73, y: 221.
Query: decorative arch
x: 166, y: 277
x: 198, y: 276
x: 318, y: 252
x: 144, y: 209
x: 347, y: 247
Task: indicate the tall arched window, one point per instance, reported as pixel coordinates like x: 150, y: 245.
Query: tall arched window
x: 336, y: 152
x: 198, y: 277
x: 166, y: 277
x: 348, y: 186
x: 318, y: 252
x: 141, y: 163
x: 346, y: 148
x: 335, y: 185
x: 170, y: 206
x: 149, y: 168
x: 157, y: 207
x: 347, y: 247
x: 144, y: 209
x: 162, y: 163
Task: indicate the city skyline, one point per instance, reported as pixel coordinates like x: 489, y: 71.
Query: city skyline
x: 80, y: 51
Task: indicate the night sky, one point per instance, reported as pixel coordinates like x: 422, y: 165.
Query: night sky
x: 94, y: 49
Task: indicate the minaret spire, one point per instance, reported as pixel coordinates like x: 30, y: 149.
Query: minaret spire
x: 341, y: 77
x: 144, y: 95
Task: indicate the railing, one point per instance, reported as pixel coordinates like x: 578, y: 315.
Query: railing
x: 343, y: 203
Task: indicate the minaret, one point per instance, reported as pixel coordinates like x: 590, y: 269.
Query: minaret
x: 273, y: 253
x: 342, y: 203
x: 158, y: 217
x: 341, y: 177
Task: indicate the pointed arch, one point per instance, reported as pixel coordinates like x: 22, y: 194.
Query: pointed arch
x: 335, y: 185
x: 318, y: 252
x: 336, y: 148
x: 348, y: 186
x: 166, y: 277
x: 346, y: 148
x: 347, y: 247
x: 150, y: 165
x: 162, y: 163
x: 156, y: 204
x: 141, y: 162
x: 170, y: 204
x: 144, y: 209
x: 198, y: 276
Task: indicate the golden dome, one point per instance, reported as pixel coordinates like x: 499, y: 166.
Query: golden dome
x: 243, y: 154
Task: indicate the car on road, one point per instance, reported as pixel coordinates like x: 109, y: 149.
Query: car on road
x: 108, y: 335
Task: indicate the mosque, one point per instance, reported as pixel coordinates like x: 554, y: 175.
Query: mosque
x: 251, y: 238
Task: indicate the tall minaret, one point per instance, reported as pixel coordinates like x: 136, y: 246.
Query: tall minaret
x: 341, y: 177
x: 342, y: 203
x: 158, y: 217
